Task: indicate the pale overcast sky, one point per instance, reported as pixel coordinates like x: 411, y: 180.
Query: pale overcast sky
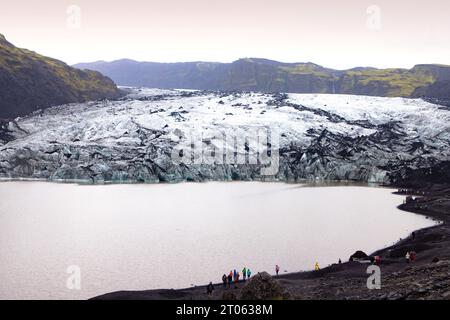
x: 338, y: 34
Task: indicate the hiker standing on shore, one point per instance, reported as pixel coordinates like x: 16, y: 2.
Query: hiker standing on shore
x: 236, y: 280
x: 244, y: 273
x: 277, y: 269
x: 316, y: 266
x: 230, y: 279
x: 224, y: 280
x: 210, y: 289
x: 249, y: 273
x: 234, y: 274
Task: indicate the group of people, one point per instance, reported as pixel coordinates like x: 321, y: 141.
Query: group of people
x: 231, y: 279
x: 234, y: 276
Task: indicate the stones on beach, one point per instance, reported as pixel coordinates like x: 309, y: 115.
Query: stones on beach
x: 359, y: 255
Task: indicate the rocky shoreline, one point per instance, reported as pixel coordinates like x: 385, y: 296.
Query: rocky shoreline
x: 426, y: 278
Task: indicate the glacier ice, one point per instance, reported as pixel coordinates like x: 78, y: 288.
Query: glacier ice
x: 333, y: 137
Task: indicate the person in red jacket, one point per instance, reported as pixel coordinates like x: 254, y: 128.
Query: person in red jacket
x: 236, y: 280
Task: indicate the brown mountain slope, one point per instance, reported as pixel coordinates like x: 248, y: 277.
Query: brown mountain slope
x: 29, y: 81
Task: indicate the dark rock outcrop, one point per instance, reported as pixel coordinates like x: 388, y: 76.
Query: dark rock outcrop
x: 438, y: 90
x: 358, y: 255
x: 263, y: 287
x: 435, y: 174
x: 5, y: 133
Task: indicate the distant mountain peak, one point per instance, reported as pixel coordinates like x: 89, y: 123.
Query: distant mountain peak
x: 260, y: 60
x: 127, y: 60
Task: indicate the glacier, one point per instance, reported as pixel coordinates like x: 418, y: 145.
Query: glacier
x: 132, y: 139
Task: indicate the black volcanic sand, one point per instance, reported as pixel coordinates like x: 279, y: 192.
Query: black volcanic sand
x: 426, y: 278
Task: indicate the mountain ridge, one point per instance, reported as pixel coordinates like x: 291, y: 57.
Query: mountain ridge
x: 260, y: 74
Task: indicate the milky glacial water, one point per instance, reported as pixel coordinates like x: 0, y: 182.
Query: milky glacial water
x: 136, y: 237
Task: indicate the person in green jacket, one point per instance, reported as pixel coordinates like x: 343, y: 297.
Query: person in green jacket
x: 244, y: 273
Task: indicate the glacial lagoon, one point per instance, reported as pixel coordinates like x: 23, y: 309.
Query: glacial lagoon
x: 138, y: 237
